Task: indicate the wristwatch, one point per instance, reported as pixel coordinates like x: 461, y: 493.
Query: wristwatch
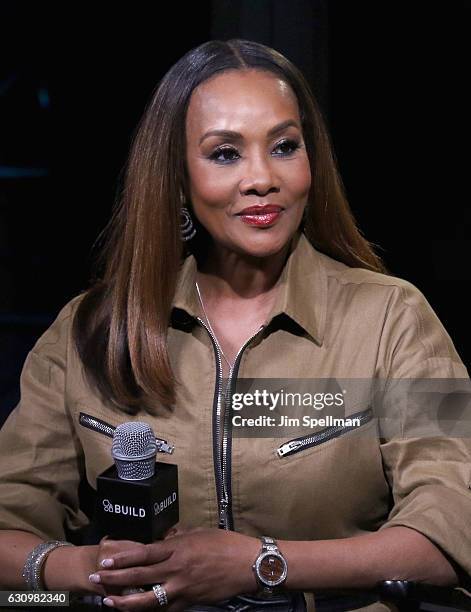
x: 270, y: 566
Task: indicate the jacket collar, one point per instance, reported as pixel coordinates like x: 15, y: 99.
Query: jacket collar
x: 302, y: 295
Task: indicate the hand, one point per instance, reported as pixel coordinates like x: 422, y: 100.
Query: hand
x: 201, y: 565
x: 108, y: 548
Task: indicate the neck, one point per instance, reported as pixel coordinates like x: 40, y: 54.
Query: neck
x: 227, y: 274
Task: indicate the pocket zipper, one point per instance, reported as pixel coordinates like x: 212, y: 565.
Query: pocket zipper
x: 91, y: 422
x: 299, y: 444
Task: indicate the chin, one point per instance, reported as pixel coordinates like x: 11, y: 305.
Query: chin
x: 264, y: 246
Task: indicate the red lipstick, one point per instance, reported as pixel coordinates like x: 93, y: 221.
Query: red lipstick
x: 260, y: 215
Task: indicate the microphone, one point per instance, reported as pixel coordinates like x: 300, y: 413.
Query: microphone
x: 137, y: 498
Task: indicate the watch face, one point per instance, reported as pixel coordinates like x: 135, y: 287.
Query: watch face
x: 271, y: 569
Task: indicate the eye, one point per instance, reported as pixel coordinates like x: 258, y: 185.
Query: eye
x: 224, y: 155
x: 227, y: 154
x: 287, y: 147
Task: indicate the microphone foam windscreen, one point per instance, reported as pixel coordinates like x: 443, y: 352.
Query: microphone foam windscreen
x: 134, y: 450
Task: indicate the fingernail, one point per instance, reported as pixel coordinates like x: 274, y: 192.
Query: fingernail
x: 108, y: 602
x: 107, y: 563
x: 94, y: 578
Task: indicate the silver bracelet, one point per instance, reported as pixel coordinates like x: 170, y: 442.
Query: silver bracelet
x: 32, y: 570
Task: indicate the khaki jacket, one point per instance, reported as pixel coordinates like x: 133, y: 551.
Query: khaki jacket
x: 329, y: 321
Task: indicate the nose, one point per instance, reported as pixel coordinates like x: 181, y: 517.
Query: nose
x: 259, y: 177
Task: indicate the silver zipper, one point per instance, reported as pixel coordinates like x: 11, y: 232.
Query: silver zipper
x: 223, y: 508
x: 226, y: 431
x: 298, y: 444
x: 223, y: 500
x: 106, y: 429
x: 222, y: 476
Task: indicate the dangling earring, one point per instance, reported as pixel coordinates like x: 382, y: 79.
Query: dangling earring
x: 187, y: 229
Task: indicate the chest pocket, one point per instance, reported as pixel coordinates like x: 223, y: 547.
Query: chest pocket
x: 102, y: 427
x: 338, y: 428
x: 96, y: 436
x: 327, y: 484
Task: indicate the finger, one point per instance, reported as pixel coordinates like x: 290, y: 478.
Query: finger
x: 135, y: 602
x: 145, y: 554
x: 109, y: 548
x: 139, y: 601
x: 129, y: 577
x: 118, y: 545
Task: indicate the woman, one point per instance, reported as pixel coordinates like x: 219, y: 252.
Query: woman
x: 277, y: 282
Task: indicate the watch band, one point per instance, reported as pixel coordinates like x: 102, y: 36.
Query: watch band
x: 269, y: 544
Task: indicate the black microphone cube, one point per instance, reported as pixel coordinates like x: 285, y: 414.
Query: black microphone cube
x: 137, y: 510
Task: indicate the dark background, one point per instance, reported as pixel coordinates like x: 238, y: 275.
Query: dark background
x: 390, y: 78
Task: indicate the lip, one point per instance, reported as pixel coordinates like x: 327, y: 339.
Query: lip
x: 260, y: 215
x: 265, y: 219
x: 261, y: 209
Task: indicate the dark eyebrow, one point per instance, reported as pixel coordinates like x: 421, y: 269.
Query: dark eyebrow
x: 230, y: 135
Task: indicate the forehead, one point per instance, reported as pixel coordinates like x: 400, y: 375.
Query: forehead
x: 239, y: 98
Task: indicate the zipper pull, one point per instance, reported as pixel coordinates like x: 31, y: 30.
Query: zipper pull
x: 287, y: 448
x: 164, y: 447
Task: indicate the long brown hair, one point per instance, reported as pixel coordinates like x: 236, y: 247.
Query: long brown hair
x: 120, y: 326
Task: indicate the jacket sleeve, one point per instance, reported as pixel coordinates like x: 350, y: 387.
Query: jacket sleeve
x: 428, y: 460
x: 40, y: 455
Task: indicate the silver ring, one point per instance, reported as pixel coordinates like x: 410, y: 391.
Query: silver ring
x: 160, y: 594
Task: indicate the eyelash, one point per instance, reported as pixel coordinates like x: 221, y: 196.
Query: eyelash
x: 224, y: 149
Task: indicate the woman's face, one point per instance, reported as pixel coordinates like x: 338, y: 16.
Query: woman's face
x: 245, y: 148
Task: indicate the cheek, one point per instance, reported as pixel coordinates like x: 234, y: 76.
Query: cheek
x: 300, y: 178
x: 210, y: 188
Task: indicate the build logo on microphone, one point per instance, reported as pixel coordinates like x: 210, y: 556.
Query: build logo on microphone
x: 108, y: 506
x: 158, y: 507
